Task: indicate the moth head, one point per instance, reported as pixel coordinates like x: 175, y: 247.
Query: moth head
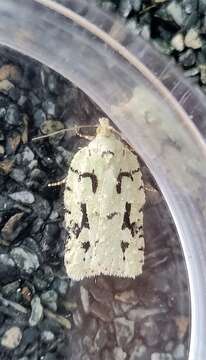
x: 104, y: 128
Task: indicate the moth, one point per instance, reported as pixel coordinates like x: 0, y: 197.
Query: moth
x: 104, y: 198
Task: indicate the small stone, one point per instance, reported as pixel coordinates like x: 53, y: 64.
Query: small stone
x: 49, y: 298
x: 192, y: 72
x: 12, y: 115
x: 27, y: 155
x: 58, y: 318
x: 141, y: 313
x: 11, y: 230
x: 129, y: 297
x: 52, y: 83
x: 18, y: 175
x: 25, y: 197
x: 13, y: 142
x: 179, y: 352
x: 12, y: 338
x: 203, y: 73
x: 2, y: 150
x: 39, y: 117
x: 146, y: 32
x: 7, y: 269
x: 192, y: 39
x: 2, y: 137
x: 101, y: 339
x: 136, y: 4
x: 101, y: 311
x: 6, y: 166
x: 174, y: 9
x: 34, y: 99
x: 106, y: 355
x: 187, y: 58
x: 177, y: 42
x: 14, y: 93
x: 124, y: 331
x: 139, y: 352
x: 43, y: 277
x: 24, y: 135
x: 150, y: 332
x: 25, y: 260
x: 51, y: 126
x: 103, y: 296
x: 47, y: 336
x: 84, y: 299
x: 125, y: 7
x: 161, y: 356
x: 169, y: 346
x: 11, y: 72
x: 119, y: 354
x: 78, y: 319
x: 37, y: 311
x: 61, y: 286
x: 50, y: 356
x: 182, y: 323
x: 49, y: 107
x: 5, y: 86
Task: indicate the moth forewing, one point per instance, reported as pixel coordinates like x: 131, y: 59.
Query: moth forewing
x: 104, y: 197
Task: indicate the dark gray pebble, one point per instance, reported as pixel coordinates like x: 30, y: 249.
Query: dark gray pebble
x: 18, y: 175
x: 61, y: 286
x: 26, y: 261
x: 39, y: 117
x: 8, y: 269
x: 12, y: 115
x: 187, y: 58
x: 150, y: 332
x: 49, y: 299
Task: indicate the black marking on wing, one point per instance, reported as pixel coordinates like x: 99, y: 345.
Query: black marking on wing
x: 111, y: 215
x: 119, y: 180
x: 68, y: 188
x: 126, y: 220
x: 67, y: 211
x: 135, y: 171
x: 141, y: 187
x: 93, y: 178
x: 107, y: 152
x: 74, y: 170
x: 86, y: 246
x: 76, y: 229
x: 124, y: 247
x: 141, y: 248
x: 85, y: 221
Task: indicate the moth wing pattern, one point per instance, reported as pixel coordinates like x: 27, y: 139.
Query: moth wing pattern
x: 104, y: 197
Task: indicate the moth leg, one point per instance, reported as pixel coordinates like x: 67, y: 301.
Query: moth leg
x: 57, y: 183
x: 150, y: 188
x: 84, y: 136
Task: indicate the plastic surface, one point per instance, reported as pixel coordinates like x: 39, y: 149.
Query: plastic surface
x: 155, y: 120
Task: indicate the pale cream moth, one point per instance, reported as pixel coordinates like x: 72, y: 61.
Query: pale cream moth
x: 104, y: 198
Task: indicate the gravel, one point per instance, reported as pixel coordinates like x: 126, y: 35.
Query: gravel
x: 54, y: 317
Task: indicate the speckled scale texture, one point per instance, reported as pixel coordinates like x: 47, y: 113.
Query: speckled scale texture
x: 104, y: 198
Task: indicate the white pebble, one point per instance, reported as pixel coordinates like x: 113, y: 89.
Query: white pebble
x: 177, y: 42
x: 12, y: 338
x: 192, y: 39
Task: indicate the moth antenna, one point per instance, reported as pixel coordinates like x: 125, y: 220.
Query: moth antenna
x: 57, y: 183
x: 75, y: 128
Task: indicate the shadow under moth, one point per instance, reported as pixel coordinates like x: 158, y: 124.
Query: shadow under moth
x: 103, y: 198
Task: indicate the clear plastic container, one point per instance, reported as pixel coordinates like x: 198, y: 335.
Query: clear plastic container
x: 157, y: 111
